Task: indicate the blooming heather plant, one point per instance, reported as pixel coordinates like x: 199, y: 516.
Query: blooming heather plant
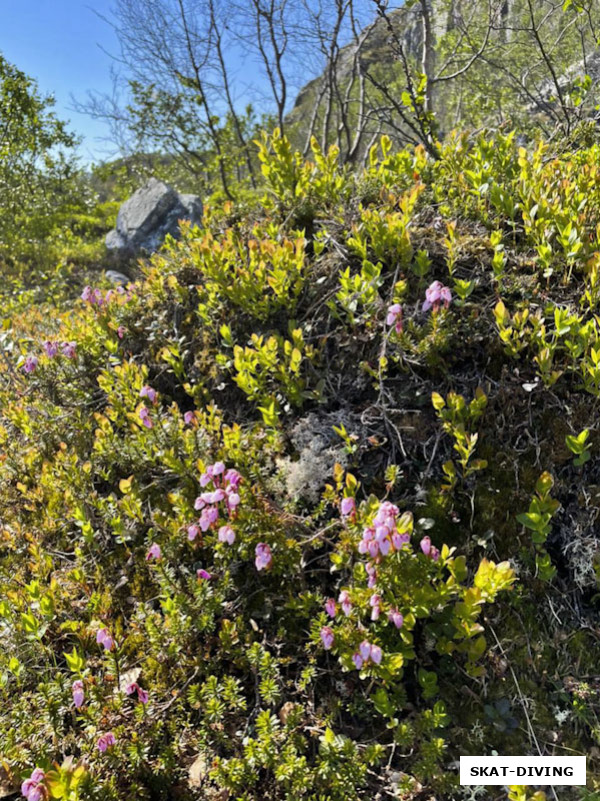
x: 34, y: 788
x: 106, y: 741
x: 78, y: 693
x: 437, y: 295
x: 394, y: 317
x: 399, y: 582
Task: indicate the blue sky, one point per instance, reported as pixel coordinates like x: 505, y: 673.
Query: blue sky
x: 59, y: 43
x: 65, y: 46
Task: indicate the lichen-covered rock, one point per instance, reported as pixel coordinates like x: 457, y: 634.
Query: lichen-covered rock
x: 318, y: 449
x: 149, y: 215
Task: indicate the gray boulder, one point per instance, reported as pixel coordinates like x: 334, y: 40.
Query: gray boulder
x: 145, y: 219
x: 115, y: 277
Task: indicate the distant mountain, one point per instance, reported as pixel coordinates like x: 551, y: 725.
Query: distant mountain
x: 524, y: 67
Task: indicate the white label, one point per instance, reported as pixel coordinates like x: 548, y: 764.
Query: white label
x: 540, y: 770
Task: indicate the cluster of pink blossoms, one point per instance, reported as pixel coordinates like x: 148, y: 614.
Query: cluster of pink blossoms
x: 382, y: 536
x: 104, y: 639
x: 96, y: 297
x: 78, y: 693
x: 367, y: 652
x: 225, y: 484
x: 263, y: 556
x: 348, y: 508
x: 154, y: 552
x: 379, y: 539
x: 143, y: 412
x: 150, y: 393
x: 224, y: 493
x: 428, y: 549
x: 34, y: 788
x: 30, y: 364
x: 144, y: 416
x: 67, y: 349
x: 328, y: 637
x: 106, y: 741
x: 134, y: 688
x: 51, y: 349
x: 435, y: 295
x: 394, y: 317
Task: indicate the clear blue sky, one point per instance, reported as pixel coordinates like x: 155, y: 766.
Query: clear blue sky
x: 59, y: 43
x: 65, y: 46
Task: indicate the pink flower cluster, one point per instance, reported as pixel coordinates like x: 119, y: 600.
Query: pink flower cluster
x: 134, y: 688
x: 435, y: 295
x: 348, y: 508
x: 150, y: 393
x: 345, y: 602
x: 385, y: 535
x: 428, y: 549
x: 104, y: 639
x: 225, y: 484
x: 34, y: 788
x: 154, y: 552
x: 327, y: 636
x: 263, y: 556
x: 95, y: 296
x: 375, y: 604
x: 106, y: 741
x: 226, y: 534
x: 67, y: 349
x: 51, y: 349
x: 367, y: 653
x: 394, y: 317
x: 78, y: 693
x: 396, y: 618
x: 382, y: 536
x: 144, y: 416
x: 30, y: 364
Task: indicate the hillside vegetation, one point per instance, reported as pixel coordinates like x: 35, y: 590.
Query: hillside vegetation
x: 308, y: 511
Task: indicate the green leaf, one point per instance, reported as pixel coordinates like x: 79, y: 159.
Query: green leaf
x: 269, y: 413
x: 75, y: 662
x: 531, y: 520
x: 381, y: 702
x: 437, y: 401
x: 544, y: 483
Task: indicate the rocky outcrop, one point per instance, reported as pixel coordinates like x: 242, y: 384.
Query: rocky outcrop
x: 145, y: 219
